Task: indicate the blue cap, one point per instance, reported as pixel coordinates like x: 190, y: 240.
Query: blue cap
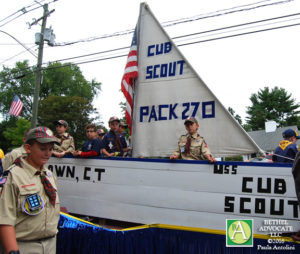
x: 290, y: 133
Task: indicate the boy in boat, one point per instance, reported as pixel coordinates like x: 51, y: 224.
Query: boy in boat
x: 91, y: 147
x: 65, y: 140
x: 101, y: 134
x: 113, y: 143
x: 287, y: 149
x: 192, y: 146
x: 122, y: 127
x: 29, y: 204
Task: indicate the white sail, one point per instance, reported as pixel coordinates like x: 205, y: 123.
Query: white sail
x: 167, y: 91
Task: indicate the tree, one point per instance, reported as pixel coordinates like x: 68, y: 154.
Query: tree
x: 58, y: 79
x: 236, y: 116
x: 11, y: 83
x: 15, y: 134
x: 67, y: 80
x: 6, y: 145
x: 275, y: 104
x: 75, y: 110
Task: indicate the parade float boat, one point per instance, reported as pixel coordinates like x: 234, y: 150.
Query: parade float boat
x: 147, y: 190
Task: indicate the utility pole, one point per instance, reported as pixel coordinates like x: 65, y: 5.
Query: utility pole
x: 38, y: 77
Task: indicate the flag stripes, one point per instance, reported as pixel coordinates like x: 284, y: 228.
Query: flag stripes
x: 16, y: 106
x: 130, y: 74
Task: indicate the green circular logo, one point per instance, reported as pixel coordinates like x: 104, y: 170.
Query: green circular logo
x: 239, y: 232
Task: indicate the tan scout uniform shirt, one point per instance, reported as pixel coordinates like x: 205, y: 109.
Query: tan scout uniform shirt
x: 66, y: 143
x: 9, y: 158
x: 20, y: 183
x: 198, y: 147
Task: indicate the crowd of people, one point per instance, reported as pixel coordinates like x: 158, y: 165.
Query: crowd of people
x: 29, y: 203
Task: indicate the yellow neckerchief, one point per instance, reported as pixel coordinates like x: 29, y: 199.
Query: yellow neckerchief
x: 284, y: 144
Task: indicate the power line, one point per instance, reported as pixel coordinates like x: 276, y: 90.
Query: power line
x: 232, y: 10
x: 188, y: 35
x: 175, y: 22
x: 239, y: 25
x: 32, y: 53
x: 235, y: 35
x: 124, y: 55
x: 16, y: 55
x: 92, y: 54
x: 24, y: 11
x: 180, y: 21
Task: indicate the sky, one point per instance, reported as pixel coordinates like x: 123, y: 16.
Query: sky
x: 233, y: 68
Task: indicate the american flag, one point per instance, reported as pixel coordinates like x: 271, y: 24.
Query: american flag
x: 16, y: 106
x: 130, y: 74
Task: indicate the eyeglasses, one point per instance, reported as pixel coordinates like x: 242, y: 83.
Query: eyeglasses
x: 90, y: 131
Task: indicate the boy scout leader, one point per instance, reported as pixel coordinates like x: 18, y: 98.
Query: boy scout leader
x: 192, y: 146
x: 29, y: 204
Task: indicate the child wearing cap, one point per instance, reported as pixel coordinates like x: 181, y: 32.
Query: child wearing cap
x: 65, y: 140
x: 123, y: 126
x: 29, y: 204
x: 192, y: 146
x: 113, y: 143
x: 91, y: 147
x: 101, y: 134
x: 287, y: 149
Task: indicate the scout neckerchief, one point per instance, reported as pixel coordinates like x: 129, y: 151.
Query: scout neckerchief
x: 187, y: 145
x: 62, y: 137
x: 49, y: 189
x: 284, y: 144
x: 118, y: 142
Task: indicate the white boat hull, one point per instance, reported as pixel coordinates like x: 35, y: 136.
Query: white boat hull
x: 183, y: 193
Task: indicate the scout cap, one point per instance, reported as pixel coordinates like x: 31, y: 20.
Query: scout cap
x: 122, y: 124
x: 290, y: 133
x: 42, y: 135
x: 61, y: 122
x: 100, y: 132
x: 191, y: 120
x: 113, y: 118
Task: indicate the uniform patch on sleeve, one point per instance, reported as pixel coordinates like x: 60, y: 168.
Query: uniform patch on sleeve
x: 3, y: 180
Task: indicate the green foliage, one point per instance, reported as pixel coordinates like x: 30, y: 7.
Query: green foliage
x: 5, y: 145
x: 234, y: 158
x: 73, y: 109
x: 58, y: 79
x: 236, y: 116
x: 67, y: 80
x: 123, y: 119
x: 10, y: 84
x: 15, y: 135
x: 276, y: 105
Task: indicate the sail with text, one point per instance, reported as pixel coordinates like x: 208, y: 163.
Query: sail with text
x: 167, y: 91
